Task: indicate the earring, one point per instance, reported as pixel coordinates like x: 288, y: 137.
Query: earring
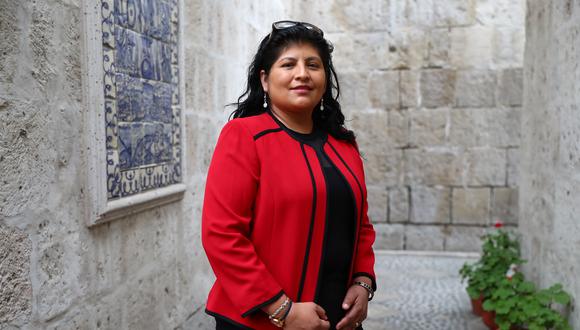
x: 265, y: 105
x: 321, y: 104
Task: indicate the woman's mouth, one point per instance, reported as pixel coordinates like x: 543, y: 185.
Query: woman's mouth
x: 301, y: 89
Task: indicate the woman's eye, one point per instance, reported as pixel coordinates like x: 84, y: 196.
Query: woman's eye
x: 287, y: 65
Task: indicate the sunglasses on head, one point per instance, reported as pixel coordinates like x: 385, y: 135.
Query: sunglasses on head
x: 281, y: 25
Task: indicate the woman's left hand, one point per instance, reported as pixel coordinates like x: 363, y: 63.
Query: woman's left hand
x: 356, y: 303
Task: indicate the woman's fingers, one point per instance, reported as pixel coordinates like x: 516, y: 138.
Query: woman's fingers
x: 324, y: 325
x: 354, y: 315
x: 321, y: 312
x: 307, y: 315
x: 356, y: 303
x: 349, y: 299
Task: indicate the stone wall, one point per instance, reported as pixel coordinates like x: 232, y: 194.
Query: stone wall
x: 433, y: 90
x: 220, y: 39
x: 550, y: 152
x: 146, y: 271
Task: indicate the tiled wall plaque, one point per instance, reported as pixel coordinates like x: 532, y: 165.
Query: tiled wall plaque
x: 140, y: 98
x: 141, y: 87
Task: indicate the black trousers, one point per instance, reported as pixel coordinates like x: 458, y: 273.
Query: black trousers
x: 224, y: 325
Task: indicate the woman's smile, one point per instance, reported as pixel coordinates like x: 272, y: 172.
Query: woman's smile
x: 302, y: 89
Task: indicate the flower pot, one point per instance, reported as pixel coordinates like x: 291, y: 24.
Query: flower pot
x: 476, y: 305
x: 489, y: 319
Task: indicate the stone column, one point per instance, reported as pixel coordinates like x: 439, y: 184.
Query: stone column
x: 550, y: 149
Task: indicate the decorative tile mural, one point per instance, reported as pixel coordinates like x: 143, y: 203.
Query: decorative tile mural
x: 141, y: 88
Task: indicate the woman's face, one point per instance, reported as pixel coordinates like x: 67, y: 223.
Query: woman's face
x: 296, y: 81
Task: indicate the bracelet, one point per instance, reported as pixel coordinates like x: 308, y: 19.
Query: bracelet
x: 279, y: 322
x: 279, y: 309
x: 367, y: 287
x: 287, y: 311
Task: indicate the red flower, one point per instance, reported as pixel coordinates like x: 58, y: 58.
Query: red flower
x: 498, y: 224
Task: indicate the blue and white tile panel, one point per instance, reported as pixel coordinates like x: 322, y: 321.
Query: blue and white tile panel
x: 141, y: 88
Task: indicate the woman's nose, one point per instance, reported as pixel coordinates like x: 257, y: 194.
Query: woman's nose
x: 302, y: 71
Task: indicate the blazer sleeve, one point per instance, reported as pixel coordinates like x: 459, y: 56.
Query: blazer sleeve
x: 365, y: 257
x: 231, y: 187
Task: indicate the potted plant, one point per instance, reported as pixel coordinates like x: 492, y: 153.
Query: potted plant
x: 500, y: 250
x: 479, y: 280
x: 517, y: 304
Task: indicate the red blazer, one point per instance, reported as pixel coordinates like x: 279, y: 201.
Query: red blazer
x: 263, y: 218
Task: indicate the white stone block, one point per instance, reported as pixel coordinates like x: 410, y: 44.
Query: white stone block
x: 389, y: 237
x: 399, y: 203
x: 425, y: 238
x: 471, y: 206
x: 437, y: 87
x: 379, y: 129
x: 491, y: 127
x: 508, y: 47
x: 412, y: 47
x: 464, y: 239
x: 472, y: 47
x: 430, y: 205
x: 486, y: 167
x: 505, y: 205
x: 378, y: 200
x: 354, y: 91
x: 383, y: 87
x: 513, y: 166
x: 434, y: 167
x: 439, y: 47
x: 409, y: 13
x: 429, y: 127
x: 363, y: 52
x: 409, y: 86
x: 454, y: 12
x: 475, y: 88
x: 383, y: 166
x: 334, y: 16
x: 15, y: 285
x: 511, y: 87
x: 501, y: 13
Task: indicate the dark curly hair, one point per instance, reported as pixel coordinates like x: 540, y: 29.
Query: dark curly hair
x: 250, y: 102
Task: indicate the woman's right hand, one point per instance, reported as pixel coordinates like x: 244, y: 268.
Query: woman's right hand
x: 306, y: 316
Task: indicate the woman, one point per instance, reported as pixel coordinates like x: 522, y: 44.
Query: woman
x: 284, y: 222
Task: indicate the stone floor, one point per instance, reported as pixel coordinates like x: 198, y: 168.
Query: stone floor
x: 421, y: 291
x: 416, y: 291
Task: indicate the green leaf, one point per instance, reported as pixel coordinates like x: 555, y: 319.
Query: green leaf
x: 532, y: 308
x: 556, y: 287
x: 488, y: 305
x: 502, y: 309
x: 535, y: 327
x: 527, y: 287
x: 544, y: 297
x: 503, y: 293
x: 473, y: 292
x: 562, y: 298
x: 504, y: 325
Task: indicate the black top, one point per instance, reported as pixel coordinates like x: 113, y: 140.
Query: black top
x: 339, y: 232
x: 338, y: 237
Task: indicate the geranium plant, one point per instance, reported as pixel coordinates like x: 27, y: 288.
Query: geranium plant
x: 517, y: 303
x: 500, y: 250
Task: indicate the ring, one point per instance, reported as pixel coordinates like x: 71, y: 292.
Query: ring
x: 357, y: 324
